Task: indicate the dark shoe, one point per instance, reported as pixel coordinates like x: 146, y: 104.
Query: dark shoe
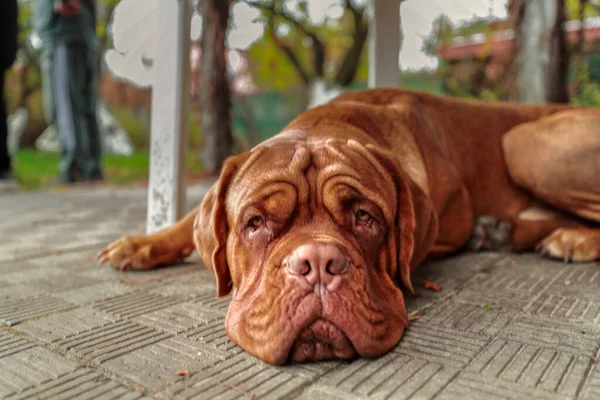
x: 8, y: 184
x: 6, y: 175
x: 65, y: 179
x: 95, y: 177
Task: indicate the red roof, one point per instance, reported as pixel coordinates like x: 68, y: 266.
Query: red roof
x: 502, y: 42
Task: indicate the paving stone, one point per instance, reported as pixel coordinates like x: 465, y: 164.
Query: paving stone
x: 591, y: 388
x: 34, y: 273
x: 391, y: 376
x: 528, y: 366
x: 576, y: 337
x: 209, y: 301
x: 561, y: 306
x: 574, y: 296
x: 513, y: 282
x: 10, y: 291
x: 450, y: 274
x: 95, y: 293
x: 81, y: 384
x: 11, y: 344
x: 325, y: 393
x: 482, y: 319
x: 58, y: 284
x: 29, y: 368
x: 14, y: 311
x: 312, y: 370
x: 504, y: 325
x: 445, y: 346
x: 135, y: 303
x: 179, y: 318
x: 155, y: 366
x: 200, y: 282
x: 63, y: 325
x: 213, y: 336
x: 238, y: 377
x: 109, y: 341
x: 470, y: 386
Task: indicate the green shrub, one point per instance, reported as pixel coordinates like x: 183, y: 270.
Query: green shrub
x: 590, y: 91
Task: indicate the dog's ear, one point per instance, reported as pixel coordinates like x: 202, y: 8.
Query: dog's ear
x: 211, y: 227
x: 415, y: 218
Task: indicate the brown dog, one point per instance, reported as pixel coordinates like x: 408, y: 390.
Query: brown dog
x: 314, y: 229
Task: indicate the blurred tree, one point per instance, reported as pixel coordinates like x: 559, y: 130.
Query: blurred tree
x: 574, y: 8
x: 442, y: 31
x: 105, y: 12
x: 214, y: 93
x: 330, y: 52
x: 543, y: 57
x: 466, y: 77
x: 581, y: 10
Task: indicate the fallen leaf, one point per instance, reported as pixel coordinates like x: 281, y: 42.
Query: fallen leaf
x: 409, y: 380
x: 54, y: 253
x: 414, y: 318
x: 432, y: 286
x: 182, y: 372
x: 567, y: 282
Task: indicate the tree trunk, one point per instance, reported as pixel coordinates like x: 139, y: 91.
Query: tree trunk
x: 558, y: 91
x: 543, y: 55
x: 579, y: 59
x: 214, y: 94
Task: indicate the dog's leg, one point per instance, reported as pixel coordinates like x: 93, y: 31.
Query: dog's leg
x: 556, y: 160
x: 165, y: 247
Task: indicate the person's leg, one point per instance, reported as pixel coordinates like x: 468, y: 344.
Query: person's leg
x: 5, y: 162
x: 93, y: 167
x: 67, y: 72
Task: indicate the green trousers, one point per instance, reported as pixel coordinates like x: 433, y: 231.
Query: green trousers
x: 70, y: 97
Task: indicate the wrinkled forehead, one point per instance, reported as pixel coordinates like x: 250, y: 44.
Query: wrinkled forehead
x: 285, y: 162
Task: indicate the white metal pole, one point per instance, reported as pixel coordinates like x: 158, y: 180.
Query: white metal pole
x: 170, y: 106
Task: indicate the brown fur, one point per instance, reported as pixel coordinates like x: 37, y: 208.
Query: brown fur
x: 432, y: 171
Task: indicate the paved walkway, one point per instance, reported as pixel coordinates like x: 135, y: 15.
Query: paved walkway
x: 504, y: 326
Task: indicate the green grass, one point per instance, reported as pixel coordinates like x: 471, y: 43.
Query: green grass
x: 34, y: 169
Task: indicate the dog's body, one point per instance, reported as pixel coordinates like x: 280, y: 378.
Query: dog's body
x: 314, y: 227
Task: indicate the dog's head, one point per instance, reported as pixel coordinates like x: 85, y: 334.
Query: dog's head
x: 312, y: 237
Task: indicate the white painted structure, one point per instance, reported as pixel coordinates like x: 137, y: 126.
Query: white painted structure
x: 384, y: 43
x: 170, y: 99
x: 170, y: 105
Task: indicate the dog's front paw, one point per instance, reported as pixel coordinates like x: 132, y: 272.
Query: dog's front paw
x: 140, y: 252
x: 572, y: 244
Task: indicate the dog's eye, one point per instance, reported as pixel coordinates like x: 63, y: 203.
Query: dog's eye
x: 362, y: 216
x: 256, y: 222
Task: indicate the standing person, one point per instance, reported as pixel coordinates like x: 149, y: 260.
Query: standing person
x: 9, y: 28
x: 67, y: 29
